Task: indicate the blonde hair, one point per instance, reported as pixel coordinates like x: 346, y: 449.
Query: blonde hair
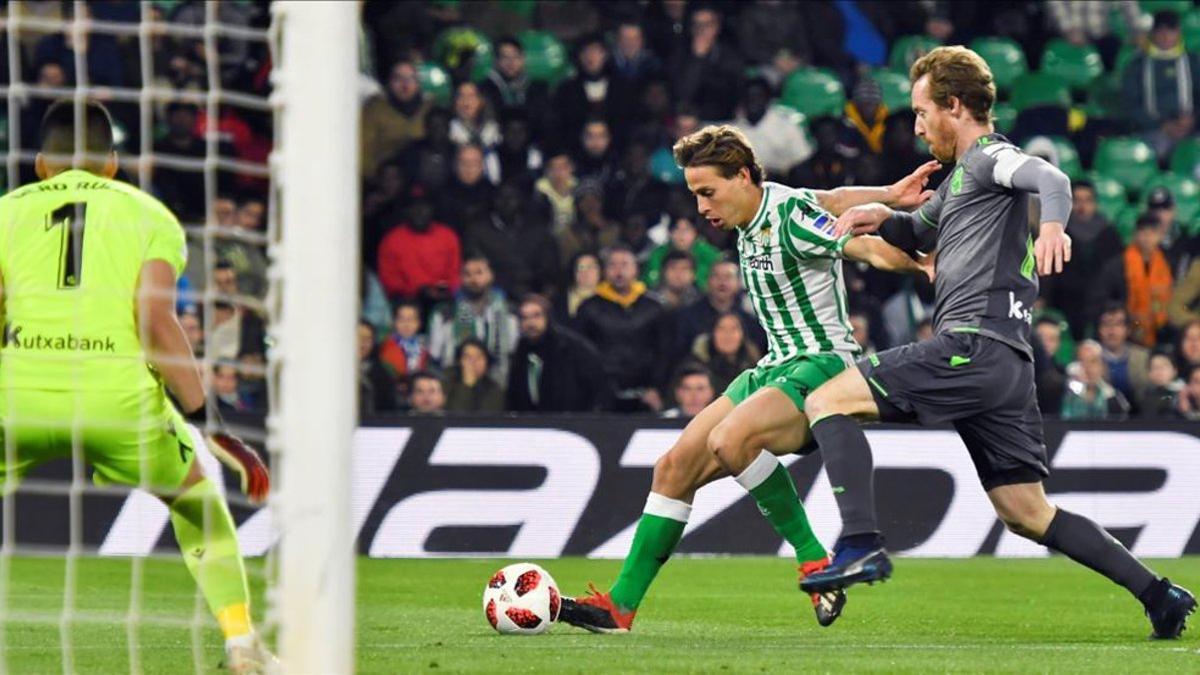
x: 723, y: 147
x: 960, y: 73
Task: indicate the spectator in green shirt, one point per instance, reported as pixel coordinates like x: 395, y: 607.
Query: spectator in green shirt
x: 684, y: 237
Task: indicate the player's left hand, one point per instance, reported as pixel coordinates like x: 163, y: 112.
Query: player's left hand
x: 862, y: 219
x: 1052, y: 249
x: 909, y: 192
x: 244, y: 460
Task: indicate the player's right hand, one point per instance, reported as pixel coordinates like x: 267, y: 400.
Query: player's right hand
x: 237, y: 455
x: 864, y: 219
x: 1052, y: 249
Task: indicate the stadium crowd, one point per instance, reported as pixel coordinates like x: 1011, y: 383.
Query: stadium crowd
x: 529, y: 244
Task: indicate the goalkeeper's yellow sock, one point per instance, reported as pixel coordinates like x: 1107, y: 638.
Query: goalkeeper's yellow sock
x: 208, y: 539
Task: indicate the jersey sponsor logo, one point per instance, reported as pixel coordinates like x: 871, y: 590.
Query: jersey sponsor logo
x: 13, y: 339
x: 761, y: 263
x: 1018, y: 310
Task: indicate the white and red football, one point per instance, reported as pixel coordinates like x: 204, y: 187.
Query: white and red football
x: 521, y: 599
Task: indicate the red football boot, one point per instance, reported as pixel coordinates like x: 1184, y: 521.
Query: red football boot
x: 596, y: 612
x: 828, y: 606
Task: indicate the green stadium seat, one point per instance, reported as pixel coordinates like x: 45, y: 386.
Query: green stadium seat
x: 1180, y: 7
x: 1126, y: 222
x: 435, y: 82
x: 523, y: 8
x: 1004, y: 57
x: 908, y: 49
x: 1076, y: 65
x: 1068, y: 157
x: 1006, y: 117
x: 454, y: 45
x: 1185, y: 191
x: 1191, y: 29
x: 1110, y: 196
x: 1126, y: 159
x: 546, y: 58
x: 814, y: 92
x: 1039, y: 89
x: 1185, y: 160
x: 897, y: 92
x: 1121, y: 28
x: 1104, y: 97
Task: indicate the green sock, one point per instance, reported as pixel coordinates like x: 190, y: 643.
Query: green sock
x: 658, y: 532
x: 771, y: 486
x: 208, y: 539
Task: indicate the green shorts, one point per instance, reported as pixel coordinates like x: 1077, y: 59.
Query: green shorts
x: 134, y: 438
x: 796, y: 378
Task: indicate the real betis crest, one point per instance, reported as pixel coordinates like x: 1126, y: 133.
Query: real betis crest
x: 764, y: 233
x: 956, y: 181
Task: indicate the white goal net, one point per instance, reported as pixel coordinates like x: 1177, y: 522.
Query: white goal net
x: 241, y: 117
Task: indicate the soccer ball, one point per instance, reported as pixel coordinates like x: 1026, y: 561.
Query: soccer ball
x: 521, y: 599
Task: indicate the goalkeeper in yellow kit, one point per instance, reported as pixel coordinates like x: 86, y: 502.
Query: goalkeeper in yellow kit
x: 93, y: 357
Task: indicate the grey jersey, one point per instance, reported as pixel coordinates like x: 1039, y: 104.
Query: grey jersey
x: 986, y: 277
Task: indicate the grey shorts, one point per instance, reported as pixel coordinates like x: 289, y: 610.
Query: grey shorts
x: 984, y: 387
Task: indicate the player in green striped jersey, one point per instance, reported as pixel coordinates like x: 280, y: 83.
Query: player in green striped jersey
x: 92, y: 347
x: 791, y: 266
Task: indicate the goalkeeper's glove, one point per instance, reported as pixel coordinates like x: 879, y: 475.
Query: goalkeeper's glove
x: 236, y: 454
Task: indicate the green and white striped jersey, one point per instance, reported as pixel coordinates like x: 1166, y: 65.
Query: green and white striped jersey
x: 792, y: 270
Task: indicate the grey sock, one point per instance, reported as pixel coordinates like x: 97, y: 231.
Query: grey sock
x: 848, y: 464
x: 1090, y: 545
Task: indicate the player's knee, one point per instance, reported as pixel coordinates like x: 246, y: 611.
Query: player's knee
x: 1016, y: 525
x: 817, y: 405
x: 733, y: 449
x: 722, y: 441
x: 1022, y: 519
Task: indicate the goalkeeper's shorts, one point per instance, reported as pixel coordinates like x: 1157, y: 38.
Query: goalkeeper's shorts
x: 134, y: 438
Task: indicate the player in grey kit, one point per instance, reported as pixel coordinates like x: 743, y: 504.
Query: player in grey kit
x: 977, y: 372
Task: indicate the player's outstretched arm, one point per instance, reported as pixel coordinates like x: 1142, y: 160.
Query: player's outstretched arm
x: 883, y: 256
x: 907, y: 193
x: 903, y: 230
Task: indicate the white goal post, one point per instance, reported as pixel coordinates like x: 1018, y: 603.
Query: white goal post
x: 316, y: 245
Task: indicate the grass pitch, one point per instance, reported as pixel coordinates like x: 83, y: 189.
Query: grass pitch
x: 702, y: 615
